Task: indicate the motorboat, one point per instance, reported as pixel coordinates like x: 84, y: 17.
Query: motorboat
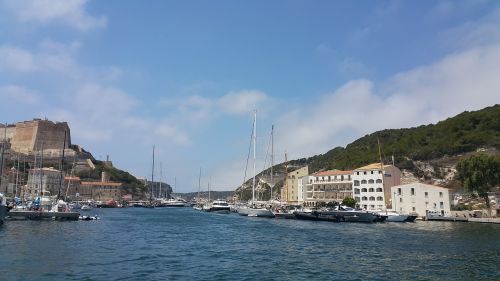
x: 253, y: 211
x: 395, y: 217
x: 218, y: 206
x: 341, y: 214
x: 86, y: 207
x: 173, y: 203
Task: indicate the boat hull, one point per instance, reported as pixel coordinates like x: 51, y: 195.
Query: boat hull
x: 339, y: 216
x: 3, y: 213
x: 255, y: 212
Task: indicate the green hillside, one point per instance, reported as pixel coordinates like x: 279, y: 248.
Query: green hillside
x: 463, y: 133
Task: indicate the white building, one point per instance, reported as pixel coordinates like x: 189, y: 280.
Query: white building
x: 372, y: 185
x: 327, y: 187
x: 419, y: 198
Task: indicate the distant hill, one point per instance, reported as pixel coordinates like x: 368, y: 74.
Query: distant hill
x: 204, y: 194
x: 414, y: 149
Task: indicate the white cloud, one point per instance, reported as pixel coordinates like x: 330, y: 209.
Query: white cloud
x: 462, y: 81
x: 16, y: 59
x: 13, y: 93
x: 166, y: 130
x: 241, y: 102
x: 43, y: 12
x: 52, y: 57
x: 473, y: 33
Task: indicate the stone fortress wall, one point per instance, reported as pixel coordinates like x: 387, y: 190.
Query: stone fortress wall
x: 29, y: 136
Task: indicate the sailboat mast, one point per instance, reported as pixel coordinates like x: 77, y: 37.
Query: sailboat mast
x: 3, y: 151
x: 272, y: 159
x: 254, y: 153
x: 199, y: 187
x: 161, y: 177
x: 152, y: 176
x: 61, y: 181
x: 41, y: 172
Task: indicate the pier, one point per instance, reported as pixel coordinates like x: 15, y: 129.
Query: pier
x: 37, y: 215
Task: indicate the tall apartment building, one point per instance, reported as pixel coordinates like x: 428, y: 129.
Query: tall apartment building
x: 327, y: 187
x: 372, y: 185
x: 290, y: 190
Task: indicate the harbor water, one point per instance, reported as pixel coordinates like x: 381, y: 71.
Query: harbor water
x: 183, y: 244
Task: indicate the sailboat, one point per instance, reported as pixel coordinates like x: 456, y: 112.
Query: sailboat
x: 252, y: 210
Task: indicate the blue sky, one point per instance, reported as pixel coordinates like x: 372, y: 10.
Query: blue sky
x: 186, y: 75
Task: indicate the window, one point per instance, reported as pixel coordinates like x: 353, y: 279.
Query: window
x: 412, y: 191
x: 426, y: 194
x: 356, y: 191
x: 364, y: 172
x: 363, y: 189
x: 379, y: 189
x: 413, y: 209
x: 356, y: 183
x: 364, y: 198
x: 379, y: 181
x: 372, y: 206
x: 380, y: 172
x: 441, y: 205
x: 372, y: 172
x: 379, y: 198
x: 356, y: 198
x: 372, y: 198
x: 357, y: 173
x: 400, y: 200
x: 440, y: 194
x: 399, y: 191
x: 363, y: 182
x: 371, y: 181
x: 370, y: 190
x: 341, y: 178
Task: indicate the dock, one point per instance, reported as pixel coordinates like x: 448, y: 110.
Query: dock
x: 37, y: 215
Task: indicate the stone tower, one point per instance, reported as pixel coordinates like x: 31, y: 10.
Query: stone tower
x: 30, y: 135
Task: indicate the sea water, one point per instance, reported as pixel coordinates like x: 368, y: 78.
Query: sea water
x: 184, y: 244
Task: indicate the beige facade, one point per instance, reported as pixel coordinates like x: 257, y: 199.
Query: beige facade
x: 103, y: 190
x: 290, y: 190
x: 328, y: 187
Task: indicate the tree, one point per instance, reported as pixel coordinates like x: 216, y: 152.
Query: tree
x: 479, y: 174
x: 349, y: 202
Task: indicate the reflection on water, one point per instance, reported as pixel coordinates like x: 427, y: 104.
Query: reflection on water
x: 182, y: 244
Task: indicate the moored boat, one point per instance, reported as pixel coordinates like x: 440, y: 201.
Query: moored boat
x: 341, y: 214
x: 217, y: 206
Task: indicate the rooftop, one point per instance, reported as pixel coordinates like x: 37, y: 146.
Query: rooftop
x: 100, y: 183
x: 373, y: 166
x: 332, y: 173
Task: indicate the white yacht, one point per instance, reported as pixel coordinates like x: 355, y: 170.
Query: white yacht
x: 218, y: 206
x: 395, y: 217
x: 173, y: 203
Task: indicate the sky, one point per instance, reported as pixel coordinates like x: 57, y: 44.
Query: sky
x: 187, y: 75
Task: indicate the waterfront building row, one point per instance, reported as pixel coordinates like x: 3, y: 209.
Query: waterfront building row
x: 373, y: 187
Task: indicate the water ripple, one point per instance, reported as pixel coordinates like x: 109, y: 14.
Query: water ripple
x: 182, y: 244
